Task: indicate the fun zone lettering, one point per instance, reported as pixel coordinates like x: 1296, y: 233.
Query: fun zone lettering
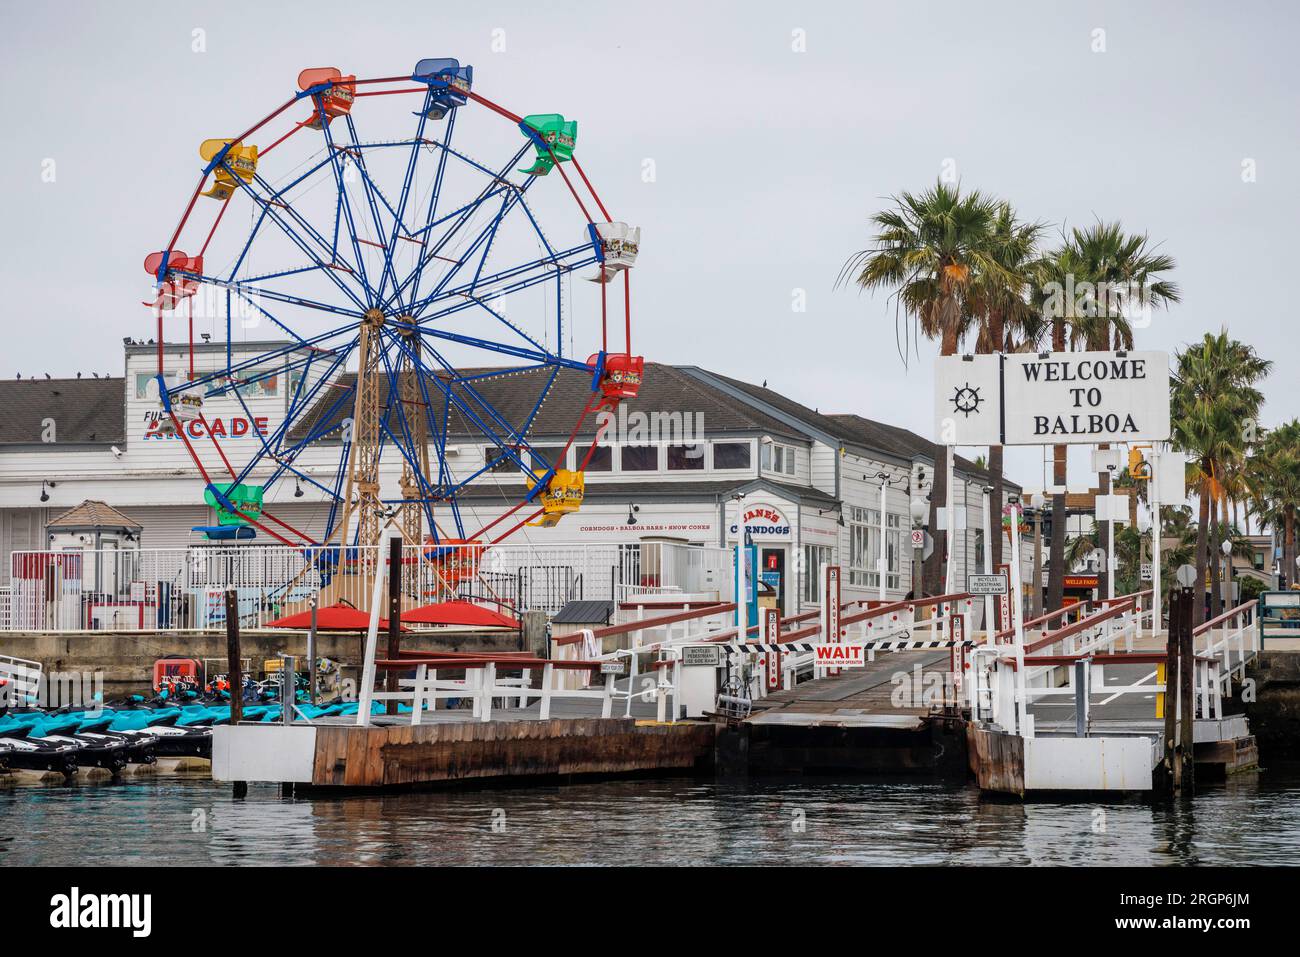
x: 1087, y: 394
x: 220, y: 427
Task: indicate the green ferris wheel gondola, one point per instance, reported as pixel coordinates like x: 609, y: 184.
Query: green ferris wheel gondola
x: 552, y: 136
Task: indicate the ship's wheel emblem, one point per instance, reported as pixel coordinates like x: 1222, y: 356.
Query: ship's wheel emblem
x: 966, y: 399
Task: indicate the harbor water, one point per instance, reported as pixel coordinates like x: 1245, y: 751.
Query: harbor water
x: 664, y: 821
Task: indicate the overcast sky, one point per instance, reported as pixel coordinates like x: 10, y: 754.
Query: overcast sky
x: 775, y: 131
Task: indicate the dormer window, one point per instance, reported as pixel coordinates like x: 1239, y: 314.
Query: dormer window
x: 778, y: 458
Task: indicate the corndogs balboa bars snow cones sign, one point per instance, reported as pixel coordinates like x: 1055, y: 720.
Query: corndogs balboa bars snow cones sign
x: 1057, y: 398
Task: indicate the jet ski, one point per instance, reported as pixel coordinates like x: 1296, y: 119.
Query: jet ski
x: 25, y: 754
x: 160, y: 725
x: 92, y: 750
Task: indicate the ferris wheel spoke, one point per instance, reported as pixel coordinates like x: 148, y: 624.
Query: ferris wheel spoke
x: 434, y: 193
x: 371, y: 190
x: 399, y: 224
x: 466, y: 213
x: 482, y: 237
x: 228, y: 373
x: 337, y: 157
x: 304, y: 246
x: 464, y: 408
x: 301, y: 404
x: 520, y: 279
x: 270, y: 201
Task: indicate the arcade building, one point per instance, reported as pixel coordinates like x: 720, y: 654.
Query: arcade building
x: 697, y: 457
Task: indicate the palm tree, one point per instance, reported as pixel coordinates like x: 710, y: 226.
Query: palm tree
x: 1120, y: 276
x: 1213, y: 402
x: 927, y: 249
x: 999, y: 314
x: 1058, y: 310
x: 1273, y: 477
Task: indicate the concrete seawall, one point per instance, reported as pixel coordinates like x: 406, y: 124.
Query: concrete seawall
x: 1275, y: 713
x: 126, y: 658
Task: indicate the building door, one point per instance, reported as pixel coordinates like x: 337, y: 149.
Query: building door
x: 772, y: 573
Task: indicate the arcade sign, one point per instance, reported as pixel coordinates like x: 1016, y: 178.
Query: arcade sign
x: 219, y: 427
x: 1058, y: 398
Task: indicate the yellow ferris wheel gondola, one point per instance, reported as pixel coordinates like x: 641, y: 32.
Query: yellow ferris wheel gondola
x: 240, y: 163
x: 563, y: 494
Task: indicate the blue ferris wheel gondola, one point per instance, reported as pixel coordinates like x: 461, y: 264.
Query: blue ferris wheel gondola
x: 449, y: 84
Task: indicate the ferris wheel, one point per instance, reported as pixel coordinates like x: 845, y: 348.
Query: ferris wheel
x: 404, y: 274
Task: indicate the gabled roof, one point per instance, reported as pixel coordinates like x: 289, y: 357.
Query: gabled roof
x: 92, y: 514
x: 851, y: 429
x: 88, y: 411
x: 514, y: 394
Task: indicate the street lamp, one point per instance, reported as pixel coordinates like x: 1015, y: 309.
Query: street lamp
x: 919, y: 509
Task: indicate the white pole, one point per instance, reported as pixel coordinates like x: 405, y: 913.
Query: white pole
x: 952, y: 525
x: 1153, y: 493
x: 372, y: 632
x: 882, y: 562
x: 988, y: 564
x: 742, y: 607
x: 1112, y: 564
x: 1018, y: 621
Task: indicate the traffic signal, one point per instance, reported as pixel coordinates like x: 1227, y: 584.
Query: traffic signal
x: 1138, y: 467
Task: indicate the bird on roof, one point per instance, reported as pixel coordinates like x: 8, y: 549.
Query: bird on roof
x: 18, y: 376
x: 47, y: 375
x: 764, y: 383
x: 78, y: 375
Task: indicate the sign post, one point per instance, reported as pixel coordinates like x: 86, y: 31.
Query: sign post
x: 1018, y: 623
x: 772, y: 635
x: 831, y: 609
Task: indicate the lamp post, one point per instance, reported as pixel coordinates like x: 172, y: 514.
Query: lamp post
x: 919, y: 508
x: 882, y: 561
x: 1226, y: 546
x: 1039, y: 502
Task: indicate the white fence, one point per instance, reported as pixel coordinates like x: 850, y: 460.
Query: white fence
x: 184, y: 588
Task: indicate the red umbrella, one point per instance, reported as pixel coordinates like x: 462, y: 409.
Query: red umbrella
x: 458, y: 613
x: 330, y: 618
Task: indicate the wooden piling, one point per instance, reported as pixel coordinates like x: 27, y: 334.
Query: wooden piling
x: 1187, y: 692
x: 1180, y: 703
x: 235, y: 673
x: 234, y: 669
x: 1170, y: 692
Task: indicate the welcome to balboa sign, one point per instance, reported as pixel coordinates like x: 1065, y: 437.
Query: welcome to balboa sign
x: 1052, y: 399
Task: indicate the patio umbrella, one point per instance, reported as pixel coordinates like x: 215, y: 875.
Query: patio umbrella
x: 330, y: 618
x: 458, y: 613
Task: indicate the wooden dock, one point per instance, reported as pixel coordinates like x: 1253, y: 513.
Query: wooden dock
x: 876, y: 719
x: 392, y: 753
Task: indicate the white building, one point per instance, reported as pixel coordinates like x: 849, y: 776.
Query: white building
x: 804, y: 485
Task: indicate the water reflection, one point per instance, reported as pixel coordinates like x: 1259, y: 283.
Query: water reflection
x: 674, y: 822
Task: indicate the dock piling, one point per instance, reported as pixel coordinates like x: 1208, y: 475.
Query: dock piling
x: 234, y: 673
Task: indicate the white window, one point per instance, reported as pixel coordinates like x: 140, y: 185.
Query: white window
x: 778, y: 458
x: 731, y: 455
x: 810, y: 581
x: 864, y: 547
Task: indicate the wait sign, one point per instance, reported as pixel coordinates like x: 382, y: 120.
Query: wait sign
x: 834, y: 655
x: 1056, y: 398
